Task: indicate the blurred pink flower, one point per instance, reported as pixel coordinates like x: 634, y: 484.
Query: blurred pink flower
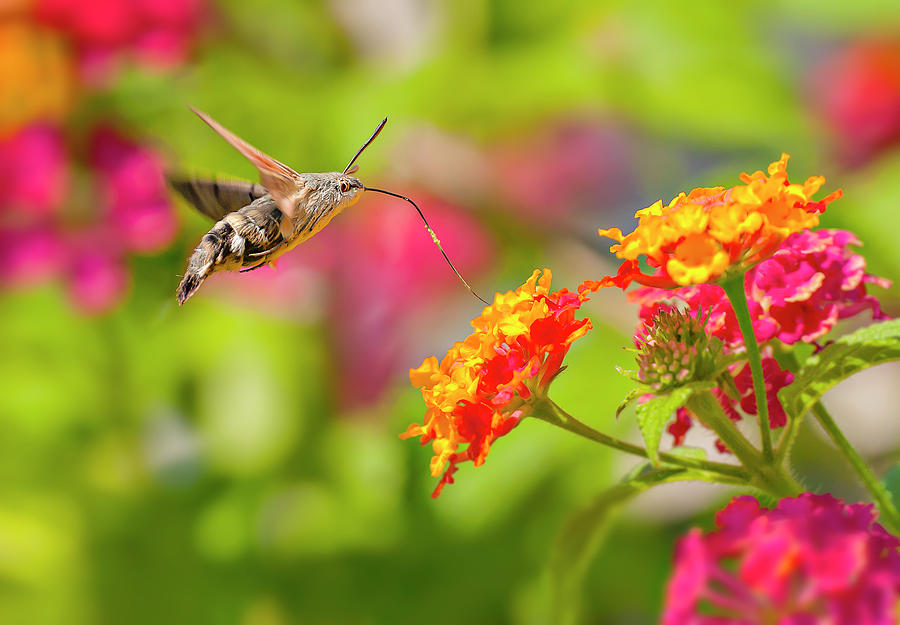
x: 97, y: 278
x: 575, y: 165
x: 133, y: 187
x: 30, y: 255
x: 47, y: 228
x: 159, y: 33
x: 34, y: 172
x: 857, y: 91
x: 812, y: 559
x: 39, y: 238
x: 388, y: 273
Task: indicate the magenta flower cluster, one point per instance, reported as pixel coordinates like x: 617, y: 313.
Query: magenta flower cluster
x: 811, y: 560
x: 158, y: 33
x: 53, y: 229
x: 799, y: 294
x: 76, y: 203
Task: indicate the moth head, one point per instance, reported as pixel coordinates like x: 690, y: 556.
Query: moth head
x: 348, y: 188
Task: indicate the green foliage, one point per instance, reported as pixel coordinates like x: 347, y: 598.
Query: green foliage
x: 629, y: 398
x: 654, y: 414
x: 852, y: 353
x: 582, y: 534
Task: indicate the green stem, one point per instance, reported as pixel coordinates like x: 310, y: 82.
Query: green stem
x: 734, y: 289
x: 788, y: 360
x: 708, y: 409
x: 549, y: 411
x: 764, y: 474
x: 872, y: 484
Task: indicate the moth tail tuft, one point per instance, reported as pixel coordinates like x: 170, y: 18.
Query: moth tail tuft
x: 187, y: 287
x: 210, y: 251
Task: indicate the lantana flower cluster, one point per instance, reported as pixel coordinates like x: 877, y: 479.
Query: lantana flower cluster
x: 811, y: 559
x: 731, y: 269
x: 485, y: 384
x: 811, y: 282
x: 701, y: 235
x: 799, y: 283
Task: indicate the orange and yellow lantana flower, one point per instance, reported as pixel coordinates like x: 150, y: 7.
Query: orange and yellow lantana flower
x: 484, y: 385
x: 701, y: 235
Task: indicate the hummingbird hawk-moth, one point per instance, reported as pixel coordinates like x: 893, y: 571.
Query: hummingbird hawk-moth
x: 257, y: 223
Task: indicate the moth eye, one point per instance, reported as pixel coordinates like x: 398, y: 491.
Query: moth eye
x: 345, y: 186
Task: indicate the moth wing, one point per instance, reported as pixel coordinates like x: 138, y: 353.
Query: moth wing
x: 216, y: 198
x: 282, y: 182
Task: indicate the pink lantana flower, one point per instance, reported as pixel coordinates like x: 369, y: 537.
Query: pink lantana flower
x: 809, y: 284
x: 776, y: 379
x: 812, y: 559
x: 798, y: 294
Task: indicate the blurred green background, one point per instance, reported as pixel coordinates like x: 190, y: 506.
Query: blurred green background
x: 236, y: 461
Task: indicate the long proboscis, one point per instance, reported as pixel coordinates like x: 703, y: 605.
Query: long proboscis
x: 364, y: 146
x: 433, y: 238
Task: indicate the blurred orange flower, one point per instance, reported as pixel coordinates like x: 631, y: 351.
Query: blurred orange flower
x: 36, y: 75
x: 709, y: 232
x: 483, y: 386
x: 856, y: 90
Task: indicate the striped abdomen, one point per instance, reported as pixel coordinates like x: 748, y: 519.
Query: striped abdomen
x: 250, y: 236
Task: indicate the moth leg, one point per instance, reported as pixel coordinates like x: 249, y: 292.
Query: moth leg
x: 262, y: 264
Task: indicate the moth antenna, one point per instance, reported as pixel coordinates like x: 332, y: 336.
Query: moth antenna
x: 430, y: 231
x: 365, y: 145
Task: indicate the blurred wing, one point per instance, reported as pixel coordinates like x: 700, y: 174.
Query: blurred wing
x: 217, y: 198
x: 282, y: 182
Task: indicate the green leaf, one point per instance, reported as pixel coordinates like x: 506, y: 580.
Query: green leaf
x: 630, y: 397
x: 583, y: 533
x: 653, y: 415
x: 852, y: 353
